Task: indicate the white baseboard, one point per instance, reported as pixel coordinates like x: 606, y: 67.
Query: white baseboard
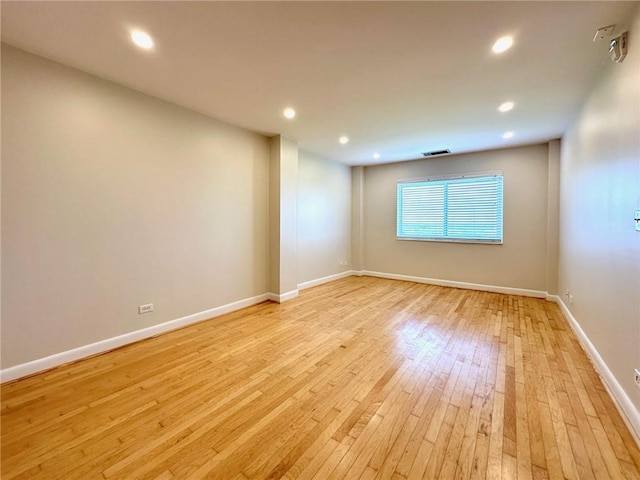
x: 320, y: 281
x: 279, y: 298
x: 623, y: 403
x: 46, y: 363
x: 450, y: 283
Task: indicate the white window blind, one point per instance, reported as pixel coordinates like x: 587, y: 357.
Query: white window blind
x: 463, y: 209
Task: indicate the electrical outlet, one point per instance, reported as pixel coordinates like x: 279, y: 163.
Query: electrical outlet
x: 145, y: 308
x: 636, y: 375
x: 569, y: 296
x: 343, y: 263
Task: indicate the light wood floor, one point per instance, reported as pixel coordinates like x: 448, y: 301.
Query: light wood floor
x: 361, y: 378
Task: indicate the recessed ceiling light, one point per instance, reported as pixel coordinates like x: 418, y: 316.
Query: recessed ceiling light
x: 141, y: 39
x: 502, y: 44
x: 343, y: 140
x: 289, y: 113
x: 376, y: 155
x: 507, y: 134
x: 506, y: 106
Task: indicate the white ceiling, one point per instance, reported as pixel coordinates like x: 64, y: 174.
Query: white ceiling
x: 398, y: 78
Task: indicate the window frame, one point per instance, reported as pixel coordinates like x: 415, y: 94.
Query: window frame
x: 446, y: 178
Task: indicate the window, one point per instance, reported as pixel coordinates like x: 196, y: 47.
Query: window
x: 455, y: 209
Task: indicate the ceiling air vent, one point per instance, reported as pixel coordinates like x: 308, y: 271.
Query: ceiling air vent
x: 436, y: 152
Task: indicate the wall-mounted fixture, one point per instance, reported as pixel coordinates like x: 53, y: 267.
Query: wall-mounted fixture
x: 618, y: 47
x: 603, y: 32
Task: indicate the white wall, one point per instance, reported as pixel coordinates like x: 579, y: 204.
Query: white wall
x: 112, y: 199
x: 600, y: 189
x: 324, y: 220
x: 519, y: 263
x: 357, y: 218
x: 283, y: 238
x: 553, y: 216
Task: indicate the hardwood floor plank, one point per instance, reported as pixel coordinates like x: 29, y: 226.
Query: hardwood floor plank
x: 361, y: 378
